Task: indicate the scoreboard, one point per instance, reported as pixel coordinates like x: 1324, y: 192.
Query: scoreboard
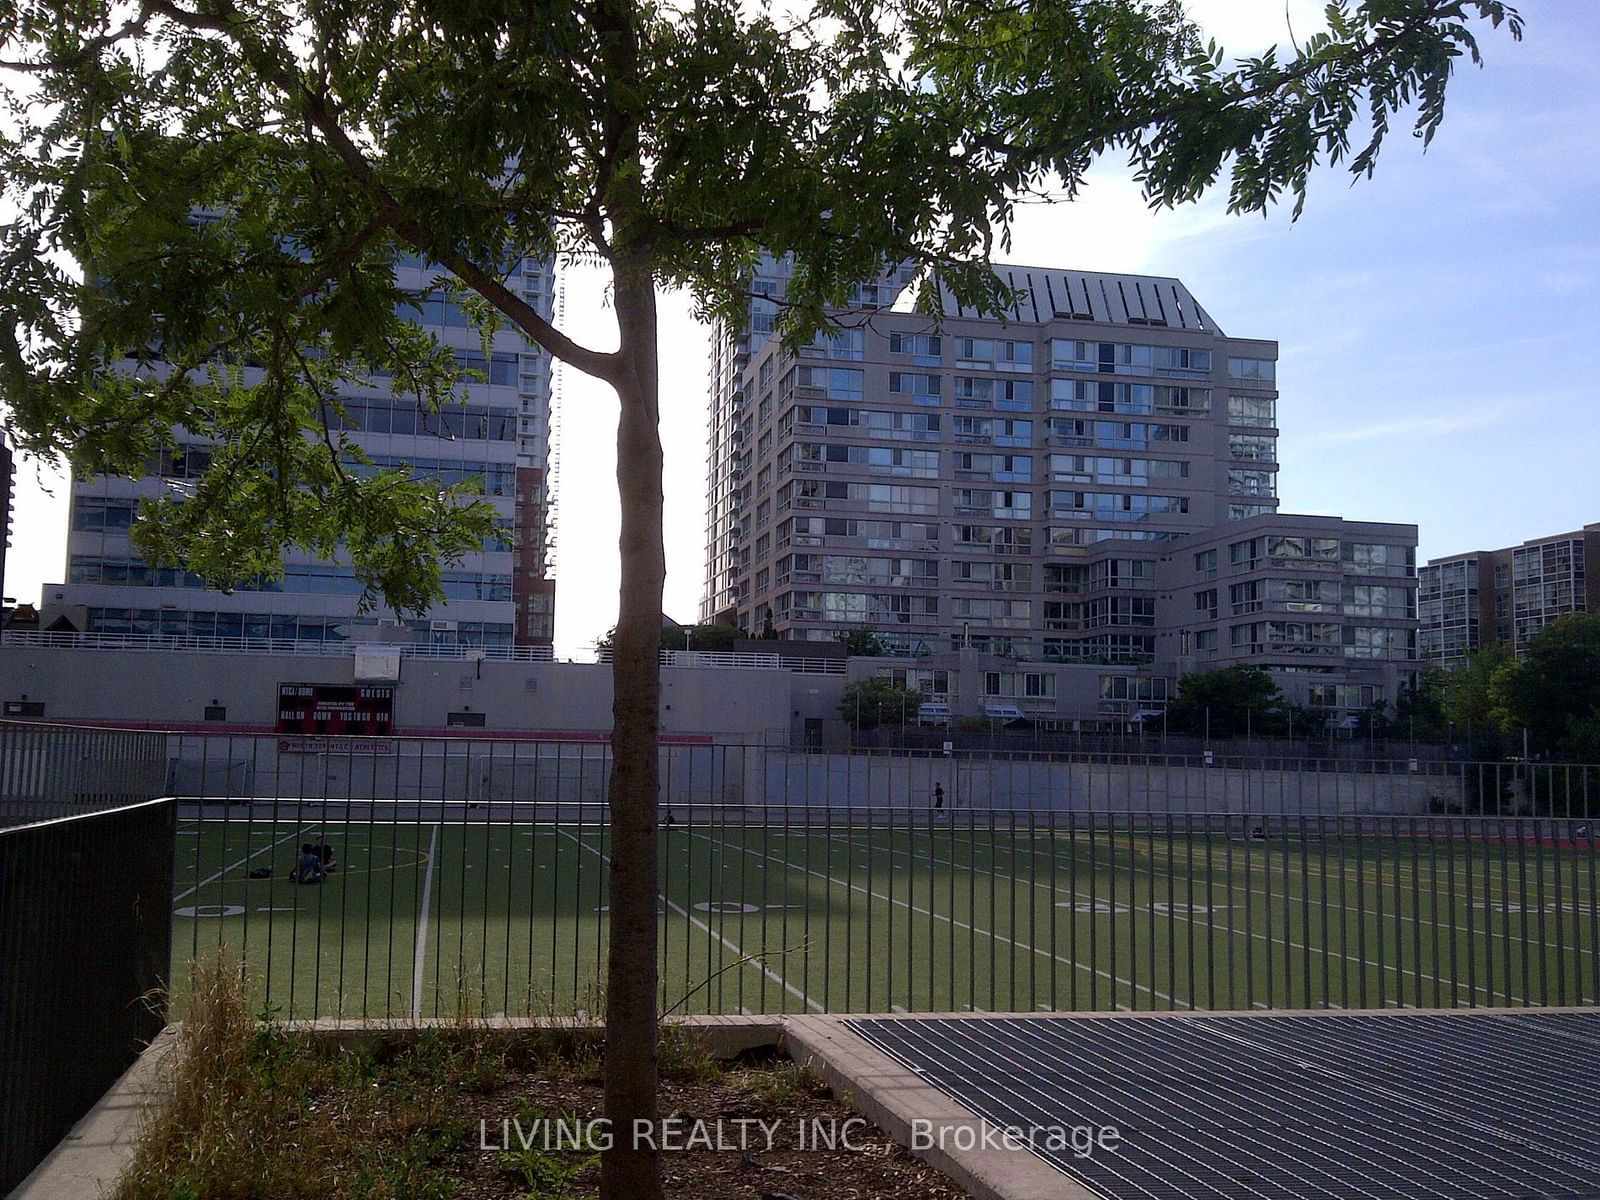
x: 327, y: 708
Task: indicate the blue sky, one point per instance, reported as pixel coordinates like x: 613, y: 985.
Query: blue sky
x: 1433, y: 322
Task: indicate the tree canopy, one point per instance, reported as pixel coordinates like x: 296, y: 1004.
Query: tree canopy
x: 326, y: 137
x: 878, y: 700
x: 1554, y: 691
x: 1229, y: 702
x: 322, y: 139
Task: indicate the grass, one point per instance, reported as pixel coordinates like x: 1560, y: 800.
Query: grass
x: 255, y: 1111
x: 423, y: 919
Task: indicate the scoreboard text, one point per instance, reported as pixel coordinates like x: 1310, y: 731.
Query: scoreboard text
x: 326, y: 708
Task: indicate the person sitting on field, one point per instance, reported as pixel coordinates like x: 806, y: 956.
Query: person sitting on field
x: 325, y: 856
x: 309, y: 867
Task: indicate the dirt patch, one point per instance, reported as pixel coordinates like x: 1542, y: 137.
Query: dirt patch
x: 254, y: 1109
x: 739, y: 1132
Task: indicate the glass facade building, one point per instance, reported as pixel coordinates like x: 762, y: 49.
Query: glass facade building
x: 498, y: 433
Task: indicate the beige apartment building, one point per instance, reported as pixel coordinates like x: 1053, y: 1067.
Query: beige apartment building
x: 1468, y: 601
x: 1081, y: 489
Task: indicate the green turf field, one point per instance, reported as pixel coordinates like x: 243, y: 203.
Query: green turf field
x: 425, y: 918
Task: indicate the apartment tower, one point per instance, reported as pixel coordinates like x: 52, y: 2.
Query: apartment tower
x: 1089, y: 478
x: 498, y: 433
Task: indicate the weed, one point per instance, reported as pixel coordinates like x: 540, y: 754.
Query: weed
x: 783, y: 1083
x: 547, y: 1172
x: 684, y: 1056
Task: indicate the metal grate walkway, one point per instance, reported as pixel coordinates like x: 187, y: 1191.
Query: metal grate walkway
x: 1447, y: 1106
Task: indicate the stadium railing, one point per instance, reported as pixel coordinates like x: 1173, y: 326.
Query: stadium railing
x: 472, y: 876
x: 49, y: 770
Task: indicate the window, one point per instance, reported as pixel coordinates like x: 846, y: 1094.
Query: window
x: 1258, y: 372
x: 1258, y: 411
x: 1205, y: 564
x: 1116, y: 506
x: 1251, y: 447
x: 1013, y: 394
x: 1091, y: 395
x: 1381, y: 600
x: 835, y: 383
x: 842, y: 343
x: 1137, y: 472
x: 994, y: 354
x: 1245, y: 597
x: 1205, y: 603
x: 1121, y: 358
x: 924, y: 348
x: 1134, y: 687
x: 1011, y: 432
x: 923, y: 389
x: 1024, y: 685
x: 1369, y: 558
x: 1362, y: 641
x: 1251, y: 483
x: 1182, y: 401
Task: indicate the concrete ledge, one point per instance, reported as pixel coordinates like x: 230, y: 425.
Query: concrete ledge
x: 91, y: 1158
x: 722, y: 1036
x: 892, y: 1097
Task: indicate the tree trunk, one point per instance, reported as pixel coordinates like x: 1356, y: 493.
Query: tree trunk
x: 630, y: 1170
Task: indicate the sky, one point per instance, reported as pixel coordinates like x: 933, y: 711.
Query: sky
x: 1432, y: 325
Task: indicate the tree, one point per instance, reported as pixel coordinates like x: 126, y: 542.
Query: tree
x: 700, y: 637
x: 1228, y: 702
x: 868, y: 703
x: 1554, y: 692
x: 1420, y: 709
x: 1466, y: 694
x: 667, y: 143
x: 862, y: 643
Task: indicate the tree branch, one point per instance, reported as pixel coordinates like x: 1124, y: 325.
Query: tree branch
x: 601, y: 364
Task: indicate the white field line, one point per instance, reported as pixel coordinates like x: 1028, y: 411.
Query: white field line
x: 422, y: 929
x: 235, y: 866
x: 780, y: 979
x: 1399, y: 972
x: 1014, y: 943
x: 1270, y: 873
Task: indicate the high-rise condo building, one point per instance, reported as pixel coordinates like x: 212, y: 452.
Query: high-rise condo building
x: 1469, y: 601
x: 501, y: 596
x: 1089, y: 478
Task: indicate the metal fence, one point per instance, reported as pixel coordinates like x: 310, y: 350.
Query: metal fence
x: 471, y: 874
x: 1000, y: 739
x: 85, y: 947
x: 57, y: 770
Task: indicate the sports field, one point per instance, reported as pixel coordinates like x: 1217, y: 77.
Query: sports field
x: 921, y: 911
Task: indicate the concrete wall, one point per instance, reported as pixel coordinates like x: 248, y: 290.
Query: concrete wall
x: 848, y: 781
x: 565, y: 780
x: 173, y: 689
